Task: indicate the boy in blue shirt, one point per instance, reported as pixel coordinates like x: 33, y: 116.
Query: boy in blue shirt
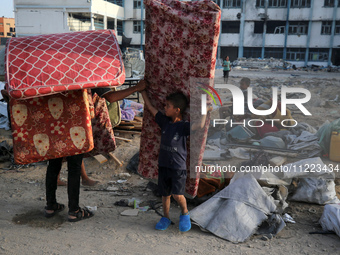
x: 172, y: 173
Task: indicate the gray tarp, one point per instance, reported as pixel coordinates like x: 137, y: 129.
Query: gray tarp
x: 330, y: 219
x: 316, y: 180
x: 236, y: 212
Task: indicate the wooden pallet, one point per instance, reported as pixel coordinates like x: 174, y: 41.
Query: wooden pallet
x: 135, y: 125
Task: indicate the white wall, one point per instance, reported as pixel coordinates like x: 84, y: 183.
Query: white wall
x: 229, y: 40
x: 275, y: 40
x: 108, y: 9
x: 34, y: 22
x: 53, y: 2
x: 129, y: 33
x: 44, y: 17
x: 251, y: 39
x: 297, y: 41
x: 35, y: 17
x: 230, y: 14
x: 131, y: 13
x: 299, y: 14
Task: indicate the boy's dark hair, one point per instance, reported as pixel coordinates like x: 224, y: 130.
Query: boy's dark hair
x: 179, y: 100
x: 245, y: 81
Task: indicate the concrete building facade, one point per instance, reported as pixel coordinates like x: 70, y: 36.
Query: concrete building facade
x: 34, y: 17
x: 7, y: 29
x: 304, y: 32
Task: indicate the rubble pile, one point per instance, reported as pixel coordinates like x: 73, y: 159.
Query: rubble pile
x: 258, y: 63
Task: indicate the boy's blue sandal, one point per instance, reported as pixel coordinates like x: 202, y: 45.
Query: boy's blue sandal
x: 163, y: 223
x: 184, y: 223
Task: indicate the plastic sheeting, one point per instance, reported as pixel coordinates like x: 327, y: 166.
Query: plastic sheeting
x: 305, y: 142
x: 315, y: 180
x: 330, y: 219
x: 236, y: 212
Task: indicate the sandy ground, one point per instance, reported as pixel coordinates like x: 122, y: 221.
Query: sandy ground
x: 24, y: 230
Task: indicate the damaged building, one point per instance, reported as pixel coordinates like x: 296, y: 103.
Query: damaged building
x: 304, y: 32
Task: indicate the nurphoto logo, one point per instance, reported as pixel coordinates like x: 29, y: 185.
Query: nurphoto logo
x: 238, y: 104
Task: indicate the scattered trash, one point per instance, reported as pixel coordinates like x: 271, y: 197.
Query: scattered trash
x: 130, y: 212
x: 315, y: 190
x: 132, y: 202
x: 92, y: 208
x: 133, y: 163
x: 287, y: 218
x: 271, y: 227
x: 267, y: 237
x: 330, y: 219
x: 121, y: 181
x: 112, y: 188
x: 277, y: 161
x: 239, y: 209
x: 258, y: 63
x: 144, y: 208
x: 124, y: 175
x: 122, y: 202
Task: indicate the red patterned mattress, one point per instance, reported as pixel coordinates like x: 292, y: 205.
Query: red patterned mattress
x: 180, y: 44
x: 48, y: 64
x: 51, y: 127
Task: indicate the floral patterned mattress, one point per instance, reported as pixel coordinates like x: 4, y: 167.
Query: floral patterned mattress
x: 47, y: 64
x: 180, y: 44
x: 51, y: 127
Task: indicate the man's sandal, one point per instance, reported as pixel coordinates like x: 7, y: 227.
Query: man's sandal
x: 80, y: 214
x: 56, y: 208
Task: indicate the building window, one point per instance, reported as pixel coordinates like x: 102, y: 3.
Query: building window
x: 271, y: 3
x: 296, y: 54
x: 117, y: 2
x: 273, y: 52
x: 1, y: 24
x: 318, y: 54
x: 337, y: 27
x: 120, y: 27
x: 230, y: 27
x: 231, y: 3
x: 276, y: 27
x: 300, y: 3
x: 8, y: 24
x: 326, y: 28
x: 12, y: 29
x: 258, y: 27
x: 9, y: 34
x: 217, y: 2
x: 137, y: 4
x: 1, y: 33
x: 136, y: 27
x: 298, y: 28
x: 328, y: 3
x: 252, y: 52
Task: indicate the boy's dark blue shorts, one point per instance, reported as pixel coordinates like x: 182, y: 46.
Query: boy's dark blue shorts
x: 171, y: 181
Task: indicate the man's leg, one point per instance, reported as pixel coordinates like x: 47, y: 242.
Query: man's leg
x: 182, y: 202
x: 166, y: 206
x: 179, y: 178
x: 53, y: 169
x: 184, y: 218
x: 73, y: 182
x: 164, y: 185
x: 85, y: 180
